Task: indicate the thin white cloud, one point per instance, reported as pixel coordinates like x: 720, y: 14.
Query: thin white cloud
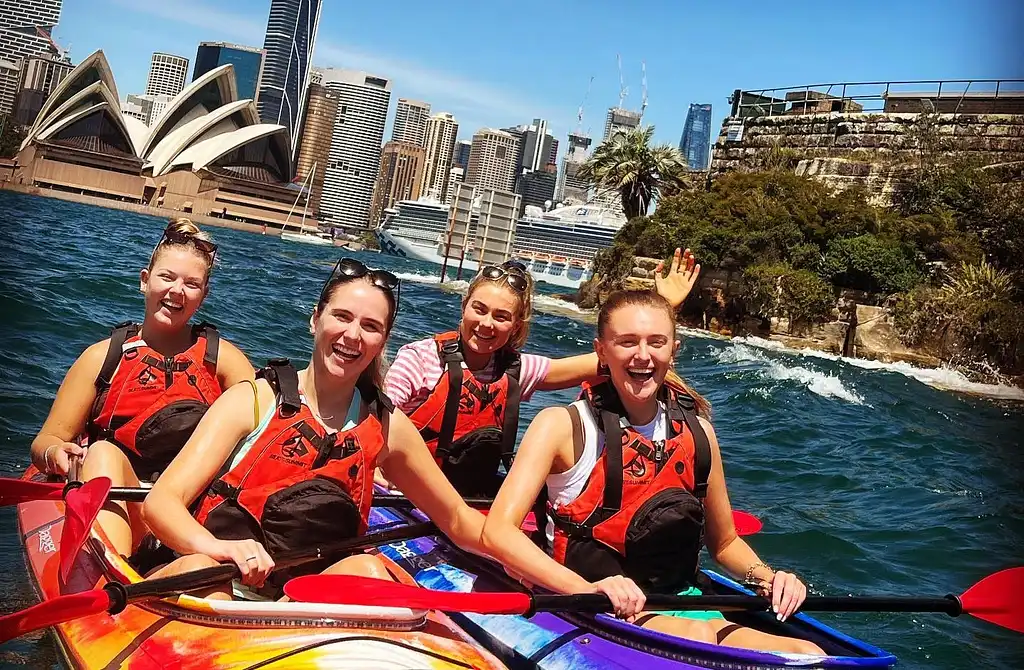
x: 445, y: 91
x: 475, y: 103
x: 248, y: 28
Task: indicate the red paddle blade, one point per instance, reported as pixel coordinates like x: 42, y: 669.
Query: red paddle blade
x: 352, y: 590
x: 746, y: 523
x: 82, y: 505
x: 51, y: 612
x: 998, y: 599
x: 17, y: 491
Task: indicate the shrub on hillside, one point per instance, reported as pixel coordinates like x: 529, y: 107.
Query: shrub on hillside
x: 870, y: 263
x: 778, y: 290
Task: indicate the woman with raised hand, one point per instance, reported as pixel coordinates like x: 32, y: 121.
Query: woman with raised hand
x: 462, y: 389
x: 635, y: 484
x: 289, y: 462
x: 128, y: 403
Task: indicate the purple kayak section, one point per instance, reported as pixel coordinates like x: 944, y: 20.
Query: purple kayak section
x: 564, y: 641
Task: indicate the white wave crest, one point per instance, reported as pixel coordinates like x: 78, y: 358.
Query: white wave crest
x: 825, y: 385
x: 945, y: 379
x: 418, y: 278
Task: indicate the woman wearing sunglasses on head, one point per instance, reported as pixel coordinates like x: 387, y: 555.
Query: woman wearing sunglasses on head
x: 293, y: 467
x: 462, y: 389
x: 131, y: 401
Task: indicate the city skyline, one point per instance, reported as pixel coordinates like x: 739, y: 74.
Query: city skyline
x: 926, y: 41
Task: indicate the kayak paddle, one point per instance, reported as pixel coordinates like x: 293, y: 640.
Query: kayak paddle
x: 997, y: 599
x: 113, y: 597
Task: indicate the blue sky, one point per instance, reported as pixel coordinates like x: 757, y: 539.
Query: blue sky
x: 501, y: 63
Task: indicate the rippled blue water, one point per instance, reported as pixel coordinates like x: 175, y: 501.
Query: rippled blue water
x: 869, y: 481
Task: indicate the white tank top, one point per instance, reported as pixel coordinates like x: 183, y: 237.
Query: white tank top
x: 565, y: 487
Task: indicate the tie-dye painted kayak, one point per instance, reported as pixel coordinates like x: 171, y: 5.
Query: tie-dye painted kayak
x: 187, y: 632
x: 580, y: 642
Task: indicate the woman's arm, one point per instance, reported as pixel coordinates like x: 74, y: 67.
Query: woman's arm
x: 232, y: 365
x: 165, y: 511
x: 69, y: 413
x: 675, y: 287
x: 731, y: 551
x: 550, y: 431
x: 411, y: 468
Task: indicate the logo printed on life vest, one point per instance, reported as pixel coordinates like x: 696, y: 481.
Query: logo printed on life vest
x: 294, y: 448
x: 147, y: 376
x: 637, y: 468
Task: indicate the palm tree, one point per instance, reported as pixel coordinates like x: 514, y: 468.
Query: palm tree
x: 627, y: 163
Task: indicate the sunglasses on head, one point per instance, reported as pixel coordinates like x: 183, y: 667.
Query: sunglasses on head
x: 512, y: 271
x: 179, y: 237
x: 350, y: 268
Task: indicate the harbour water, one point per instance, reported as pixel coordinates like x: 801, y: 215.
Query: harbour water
x: 869, y: 480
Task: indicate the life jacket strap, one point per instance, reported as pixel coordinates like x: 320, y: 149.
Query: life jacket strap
x: 224, y: 490
x: 284, y: 380
x: 451, y: 357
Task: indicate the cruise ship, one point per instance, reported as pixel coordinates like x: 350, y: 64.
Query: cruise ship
x: 557, y: 246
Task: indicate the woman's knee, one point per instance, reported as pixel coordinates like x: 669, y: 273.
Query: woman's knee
x: 691, y: 629
x: 107, y: 460
x: 798, y: 646
x: 363, y: 565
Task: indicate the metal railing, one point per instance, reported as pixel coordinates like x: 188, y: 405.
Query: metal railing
x: 948, y: 96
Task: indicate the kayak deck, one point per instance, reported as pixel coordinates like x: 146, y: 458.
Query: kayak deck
x: 548, y: 640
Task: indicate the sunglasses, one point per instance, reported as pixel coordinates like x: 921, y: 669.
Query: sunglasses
x: 350, y: 268
x: 178, y: 237
x: 512, y: 271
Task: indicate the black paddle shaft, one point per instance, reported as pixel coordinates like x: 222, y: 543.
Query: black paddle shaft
x: 137, y: 495
x: 595, y: 602
x: 122, y: 594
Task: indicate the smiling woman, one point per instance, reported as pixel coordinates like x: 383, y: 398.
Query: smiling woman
x: 129, y: 403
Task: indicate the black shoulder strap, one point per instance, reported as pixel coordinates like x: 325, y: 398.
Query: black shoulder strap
x: 451, y: 357
x: 209, y: 331
x: 510, y: 425
x: 577, y: 429
x: 118, y: 336
x: 612, y: 428
x: 284, y: 379
x: 378, y: 402
x: 701, y: 455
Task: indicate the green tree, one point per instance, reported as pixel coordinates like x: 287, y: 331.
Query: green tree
x: 870, y: 263
x: 629, y: 164
x: 11, y: 136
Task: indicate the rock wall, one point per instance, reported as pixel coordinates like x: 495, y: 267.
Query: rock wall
x: 842, y: 148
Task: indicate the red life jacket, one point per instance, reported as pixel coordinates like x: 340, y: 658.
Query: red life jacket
x: 149, y: 404
x: 298, y: 485
x: 641, y: 512
x: 469, y: 426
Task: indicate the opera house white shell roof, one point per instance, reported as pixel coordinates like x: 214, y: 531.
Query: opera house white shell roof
x: 205, y: 126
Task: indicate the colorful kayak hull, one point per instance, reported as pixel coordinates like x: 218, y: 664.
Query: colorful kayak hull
x: 552, y: 641
x: 187, y: 632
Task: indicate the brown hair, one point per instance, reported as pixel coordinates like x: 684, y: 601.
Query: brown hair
x: 378, y: 367
x: 620, y: 299
x: 186, y: 233
x: 524, y: 303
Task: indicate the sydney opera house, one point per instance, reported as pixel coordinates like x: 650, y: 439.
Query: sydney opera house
x: 206, y: 154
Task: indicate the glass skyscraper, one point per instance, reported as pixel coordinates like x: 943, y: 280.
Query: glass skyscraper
x: 291, y: 33
x: 695, y: 144
x: 248, y: 62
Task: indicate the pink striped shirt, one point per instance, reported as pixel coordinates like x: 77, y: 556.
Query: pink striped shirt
x: 417, y: 369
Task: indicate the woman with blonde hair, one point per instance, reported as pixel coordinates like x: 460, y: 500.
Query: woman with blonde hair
x: 462, y: 389
x: 129, y: 402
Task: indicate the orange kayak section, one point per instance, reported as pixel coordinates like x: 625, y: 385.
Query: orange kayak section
x: 188, y: 632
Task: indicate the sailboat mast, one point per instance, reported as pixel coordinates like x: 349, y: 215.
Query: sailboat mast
x: 305, y: 204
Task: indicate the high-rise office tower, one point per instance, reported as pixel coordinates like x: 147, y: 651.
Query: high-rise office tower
x: 401, y: 171
x: 355, y: 146
x: 695, y: 144
x: 455, y: 177
x: 535, y: 145
x: 26, y: 27
x: 167, y: 74
x: 618, y: 120
x: 537, y: 187
x: 460, y: 154
x: 411, y: 122
x: 440, y: 142
x: 492, y: 160
x: 288, y: 59
x: 315, y: 141
x: 39, y: 76
x: 248, y: 63
x: 571, y: 188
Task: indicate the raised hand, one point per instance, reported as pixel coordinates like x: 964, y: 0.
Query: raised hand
x: 682, y: 276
